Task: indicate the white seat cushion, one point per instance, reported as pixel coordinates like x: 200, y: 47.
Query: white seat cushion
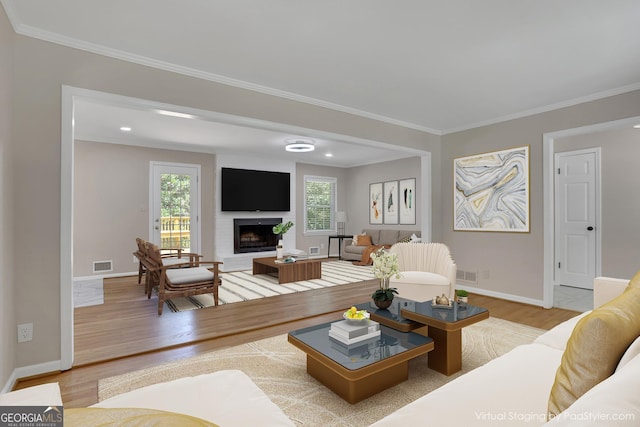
x: 422, y: 278
x: 516, y: 383
x: 558, y: 336
x: 181, y: 276
x: 39, y: 395
x: 226, y: 398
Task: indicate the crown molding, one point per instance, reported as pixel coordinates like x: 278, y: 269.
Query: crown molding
x: 71, y: 42
x: 547, y: 108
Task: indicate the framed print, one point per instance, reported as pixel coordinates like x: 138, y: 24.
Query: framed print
x: 491, y: 191
x: 390, y: 202
x: 407, y: 201
x: 375, y: 203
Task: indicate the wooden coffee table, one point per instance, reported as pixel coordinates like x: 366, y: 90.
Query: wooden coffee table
x: 444, y: 325
x: 305, y: 269
x: 360, y: 370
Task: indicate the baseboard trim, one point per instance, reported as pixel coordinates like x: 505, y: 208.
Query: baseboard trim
x: 30, y: 371
x: 502, y: 295
x: 107, y: 276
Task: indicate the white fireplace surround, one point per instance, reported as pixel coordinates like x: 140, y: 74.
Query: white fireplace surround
x: 224, y: 220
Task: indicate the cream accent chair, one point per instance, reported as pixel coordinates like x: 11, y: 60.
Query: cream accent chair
x: 427, y: 271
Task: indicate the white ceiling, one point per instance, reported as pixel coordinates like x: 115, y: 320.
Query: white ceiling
x: 438, y: 66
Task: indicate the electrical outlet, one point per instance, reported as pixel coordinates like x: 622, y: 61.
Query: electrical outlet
x: 25, y: 332
x: 135, y: 259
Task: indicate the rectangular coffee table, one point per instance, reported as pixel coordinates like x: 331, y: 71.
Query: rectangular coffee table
x: 306, y: 269
x: 444, y: 325
x: 360, y: 370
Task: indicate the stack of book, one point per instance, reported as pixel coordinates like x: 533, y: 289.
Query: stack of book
x: 350, y: 333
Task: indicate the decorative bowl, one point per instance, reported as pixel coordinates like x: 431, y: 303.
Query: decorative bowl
x: 365, y: 316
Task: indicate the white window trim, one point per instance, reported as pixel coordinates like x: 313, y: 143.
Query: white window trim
x: 334, y: 205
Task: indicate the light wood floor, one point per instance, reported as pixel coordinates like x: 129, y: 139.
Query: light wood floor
x: 126, y: 334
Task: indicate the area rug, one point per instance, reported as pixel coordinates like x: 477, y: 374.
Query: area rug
x: 279, y: 369
x: 243, y: 285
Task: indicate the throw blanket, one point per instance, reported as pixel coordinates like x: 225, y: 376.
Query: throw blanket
x: 366, y: 254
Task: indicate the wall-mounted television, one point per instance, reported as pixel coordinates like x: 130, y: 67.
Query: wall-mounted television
x: 255, y: 190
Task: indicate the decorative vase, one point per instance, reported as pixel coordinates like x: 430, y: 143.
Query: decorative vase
x: 382, y: 304
x: 280, y: 250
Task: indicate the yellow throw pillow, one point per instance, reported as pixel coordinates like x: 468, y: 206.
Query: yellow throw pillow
x: 635, y: 281
x: 595, y: 347
x: 133, y: 417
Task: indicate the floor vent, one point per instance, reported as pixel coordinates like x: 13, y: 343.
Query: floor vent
x: 467, y: 276
x: 102, y: 266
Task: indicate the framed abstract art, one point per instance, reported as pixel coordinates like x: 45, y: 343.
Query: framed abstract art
x: 390, y: 202
x: 407, y: 201
x: 375, y: 203
x: 491, y: 191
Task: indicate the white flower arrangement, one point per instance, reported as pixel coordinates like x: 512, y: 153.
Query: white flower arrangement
x: 385, y: 264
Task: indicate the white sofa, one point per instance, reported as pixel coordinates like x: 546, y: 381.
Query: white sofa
x: 511, y: 390
x: 225, y: 398
x: 514, y: 389
x: 427, y: 271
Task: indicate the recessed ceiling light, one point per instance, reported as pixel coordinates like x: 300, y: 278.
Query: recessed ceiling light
x: 637, y: 126
x: 300, y: 145
x: 125, y: 129
x: 175, y: 114
x: 328, y: 155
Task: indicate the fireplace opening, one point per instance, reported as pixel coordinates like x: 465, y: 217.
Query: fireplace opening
x: 254, y: 235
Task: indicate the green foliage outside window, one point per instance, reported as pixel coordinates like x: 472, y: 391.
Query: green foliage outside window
x: 175, y: 195
x: 319, y: 204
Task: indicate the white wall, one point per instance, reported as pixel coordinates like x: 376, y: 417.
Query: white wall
x: 358, y: 180
x: 224, y: 220
x: 8, y: 315
x: 620, y: 151
x: 112, y: 209
x: 511, y: 265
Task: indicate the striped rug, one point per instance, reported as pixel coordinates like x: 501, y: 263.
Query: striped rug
x: 243, y: 286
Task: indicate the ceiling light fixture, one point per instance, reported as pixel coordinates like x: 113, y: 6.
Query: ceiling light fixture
x: 636, y: 126
x: 175, y: 114
x: 125, y: 129
x: 300, y: 145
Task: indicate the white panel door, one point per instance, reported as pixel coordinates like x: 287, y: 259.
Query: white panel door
x: 175, y: 206
x: 576, y: 236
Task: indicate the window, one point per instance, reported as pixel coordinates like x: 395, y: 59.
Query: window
x: 319, y: 204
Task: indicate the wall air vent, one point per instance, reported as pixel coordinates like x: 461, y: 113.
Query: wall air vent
x: 467, y: 276
x: 102, y: 266
x: 314, y: 250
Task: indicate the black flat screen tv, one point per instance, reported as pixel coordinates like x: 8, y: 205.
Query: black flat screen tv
x: 255, y: 190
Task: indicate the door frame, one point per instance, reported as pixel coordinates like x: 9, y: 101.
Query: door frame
x: 197, y: 208
x: 598, y: 205
x: 68, y: 96
x: 548, y: 182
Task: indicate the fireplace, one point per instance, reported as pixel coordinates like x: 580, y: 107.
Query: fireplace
x: 254, y: 235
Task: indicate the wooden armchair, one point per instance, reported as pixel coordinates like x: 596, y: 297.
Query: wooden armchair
x: 170, y: 257
x: 184, y: 279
